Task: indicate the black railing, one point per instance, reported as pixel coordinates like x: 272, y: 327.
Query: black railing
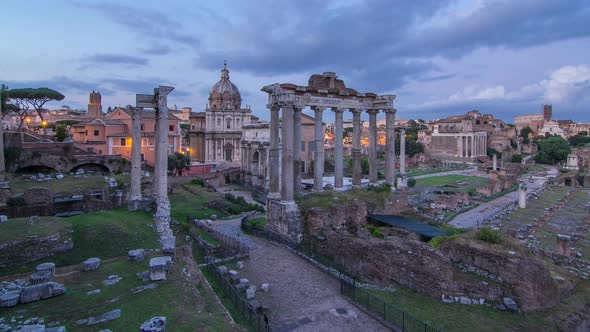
x: 233, y: 245
x: 385, y: 310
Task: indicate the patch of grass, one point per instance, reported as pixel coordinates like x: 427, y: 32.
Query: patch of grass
x: 186, y: 204
x: 456, y: 183
x: 104, y: 234
x: 424, y: 171
x: 487, y: 234
x: 438, y: 241
x: 21, y: 228
x: 186, y: 306
x: 257, y: 223
x: 69, y: 184
x: 196, y: 231
x: 375, y: 231
x: 458, y: 317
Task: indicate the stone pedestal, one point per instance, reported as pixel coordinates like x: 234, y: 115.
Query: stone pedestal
x: 563, y: 245
x: 522, y: 195
x: 159, y: 267
x: 284, y: 219
x: 46, y: 267
x: 91, y: 264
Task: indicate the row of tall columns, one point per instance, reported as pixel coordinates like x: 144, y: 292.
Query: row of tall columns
x: 472, y: 146
x: 318, y: 153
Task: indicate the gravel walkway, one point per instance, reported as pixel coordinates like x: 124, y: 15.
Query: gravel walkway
x: 231, y: 227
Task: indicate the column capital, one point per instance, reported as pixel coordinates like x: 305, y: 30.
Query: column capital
x: 273, y: 107
x: 390, y: 110
x: 373, y: 111
x: 318, y: 108
x: 298, y: 108
x: 337, y: 110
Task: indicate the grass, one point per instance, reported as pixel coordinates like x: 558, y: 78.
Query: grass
x: 453, y: 182
x: 327, y: 199
x: 103, y: 234
x: 458, y: 317
x: 69, y: 184
x: 185, y: 204
x: 186, y: 305
x: 21, y: 228
x: 424, y: 171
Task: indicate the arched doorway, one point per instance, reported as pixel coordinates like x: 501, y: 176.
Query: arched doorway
x: 254, y: 166
x: 229, y: 152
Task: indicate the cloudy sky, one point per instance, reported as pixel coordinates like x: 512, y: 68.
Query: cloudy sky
x: 504, y: 57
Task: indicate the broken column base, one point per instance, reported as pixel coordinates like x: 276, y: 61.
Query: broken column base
x: 284, y: 219
x: 144, y: 204
x: 402, y: 182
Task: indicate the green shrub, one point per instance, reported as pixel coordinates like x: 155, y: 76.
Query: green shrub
x: 375, y: 231
x: 517, y: 158
x: 257, y: 223
x: 487, y: 234
x: 385, y: 187
x: 16, y: 201
x: 198, y: 182
x: 438, y: 241
x: 411, y: 182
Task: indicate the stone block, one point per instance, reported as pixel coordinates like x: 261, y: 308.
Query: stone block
x: 46, y: 267
x: 40, y: 277
x: 240, y: 265
x: 41, y: 292
x: 31, y: 328
x: 447, y: 299
x: 222, y: 270
x: 245, y: 281
x: 91, y: 264
x: 136, y: 255
x: 168, y: 245
x: 250, y: 292
x: 464, y: 300
x: 510, y: 304
x: 159, y: 267
x: 3, y: 218
x: 9, y: 299
x: 154, y: 324
x: 232, y: 273
x: 265, y: 287
x: 241, y: 287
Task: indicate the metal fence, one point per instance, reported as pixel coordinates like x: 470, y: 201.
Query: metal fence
x: 249, y: 314
x: 233, y: 245
x: 386, y: 311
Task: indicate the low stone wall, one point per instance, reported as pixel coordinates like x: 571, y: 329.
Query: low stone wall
x: 32, y: 249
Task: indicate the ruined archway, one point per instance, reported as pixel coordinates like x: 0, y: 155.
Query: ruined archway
x: 34, y: 169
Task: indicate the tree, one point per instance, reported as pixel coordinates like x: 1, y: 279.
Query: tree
x: 578, y: 140
x: 516, y: 158
x: 25, y: 99
x: 178, y: 162
x: 583, y: 133
x: 552, y: 150
x: 524, y: 132
x: 60, y: 133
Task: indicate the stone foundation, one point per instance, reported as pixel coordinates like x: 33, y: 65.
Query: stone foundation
x: 145, y: 204
x: 284, y: 219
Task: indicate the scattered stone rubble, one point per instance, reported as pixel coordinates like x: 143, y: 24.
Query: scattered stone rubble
x: 107, y: 316
x: 159, y: 267
x: 136, y: 255
x: 154, y: 324
x: 91, y: 264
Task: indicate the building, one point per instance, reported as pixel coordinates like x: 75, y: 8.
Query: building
x: 224, y: 118
x: 543, y: 124
x: 197, y: 137
x: 111, y: 134
x: 533, y: 121
x: 255, y: 145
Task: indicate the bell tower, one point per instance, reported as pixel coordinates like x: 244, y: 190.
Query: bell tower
x: 94, y: 105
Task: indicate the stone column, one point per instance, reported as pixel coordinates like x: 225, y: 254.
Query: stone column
x: 472, y: 146
x: 274, y: 190
x: 162, y: 202
x: 135, y: 184
x: 466, y: 139
x: 402, y: 181
x: 522, y: 195
x: 287, y: 174
x: 356, y: 147
x: 338, y: 150
x: 318, y: 153
x: 390, y: 147
x: 494, y: 162
x: 373, y: 146
x: 460, y: 146
x: 297, y: 149
x: 156, y: 152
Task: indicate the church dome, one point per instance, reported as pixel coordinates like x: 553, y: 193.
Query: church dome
x: 224, y: 94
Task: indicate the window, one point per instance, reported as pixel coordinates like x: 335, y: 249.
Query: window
x: 144, y: 142
x: 171, y: 128
x: 303, y: 166
x: 123, y: 142
x: 228, y: 124
x: 99, y: 151
x: 302, y: 146
x: 86, y: 132
x: 218, y: 122
x: 96, y: 133
x: 141, y: 127
x: 311, y: 146
x: 142, y: 157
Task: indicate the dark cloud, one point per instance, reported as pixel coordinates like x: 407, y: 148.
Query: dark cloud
x: 105, y: 58
x: 149, y: 23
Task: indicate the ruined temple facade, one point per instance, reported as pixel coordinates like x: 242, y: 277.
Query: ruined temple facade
x: 224, y: 118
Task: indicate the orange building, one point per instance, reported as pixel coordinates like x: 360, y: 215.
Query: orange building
x: 111, y: 134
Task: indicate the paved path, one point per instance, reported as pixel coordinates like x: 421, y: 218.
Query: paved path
x: 232, y: 228
x: 477, y: 215
x: 301, y: 297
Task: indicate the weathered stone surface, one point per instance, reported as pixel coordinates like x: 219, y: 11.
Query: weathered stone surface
x: 31, y: 328
x: 56, y: 329
x: 140, y: 289
x: 41, y: 292
x: 107, y: 316
x: 22, y: 251
x: 9, y: 299
x: 222, y: 269
x: 3, y: 218
x: 136, y: 255
x: 250, y: 292
x: 91, y: 264
x: 240, y: 265
x: 111, y: 280
x: 159, y: 267
x: 265, y: 287
x: 510, y: 304
x: 154, y: 324
x: 245, y: 281
x: 40, y: 277
x: 46, y: 267
x: 93, y: 292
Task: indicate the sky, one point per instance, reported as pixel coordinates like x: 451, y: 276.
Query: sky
x: 440, y: 58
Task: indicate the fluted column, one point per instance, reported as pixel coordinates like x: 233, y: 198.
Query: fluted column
x: 135, y: 184
x: 373, y: 145
x: 287, y: 149
x: 274, y: 190
x: 356, y: 147
x: 338, y: 149
x: 390, y: 147
x: 318, y: 154
x: 297, y: 149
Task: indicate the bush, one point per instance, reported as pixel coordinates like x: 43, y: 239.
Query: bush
x: 487, y: 234
x: 198, y: 182
x: 16, y: 201
x: 411, y: 182
x: 385, y: 187
x: 438, y: 241
x: 257, y: 223
x: 375, y: 231
x: 517, y: 158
